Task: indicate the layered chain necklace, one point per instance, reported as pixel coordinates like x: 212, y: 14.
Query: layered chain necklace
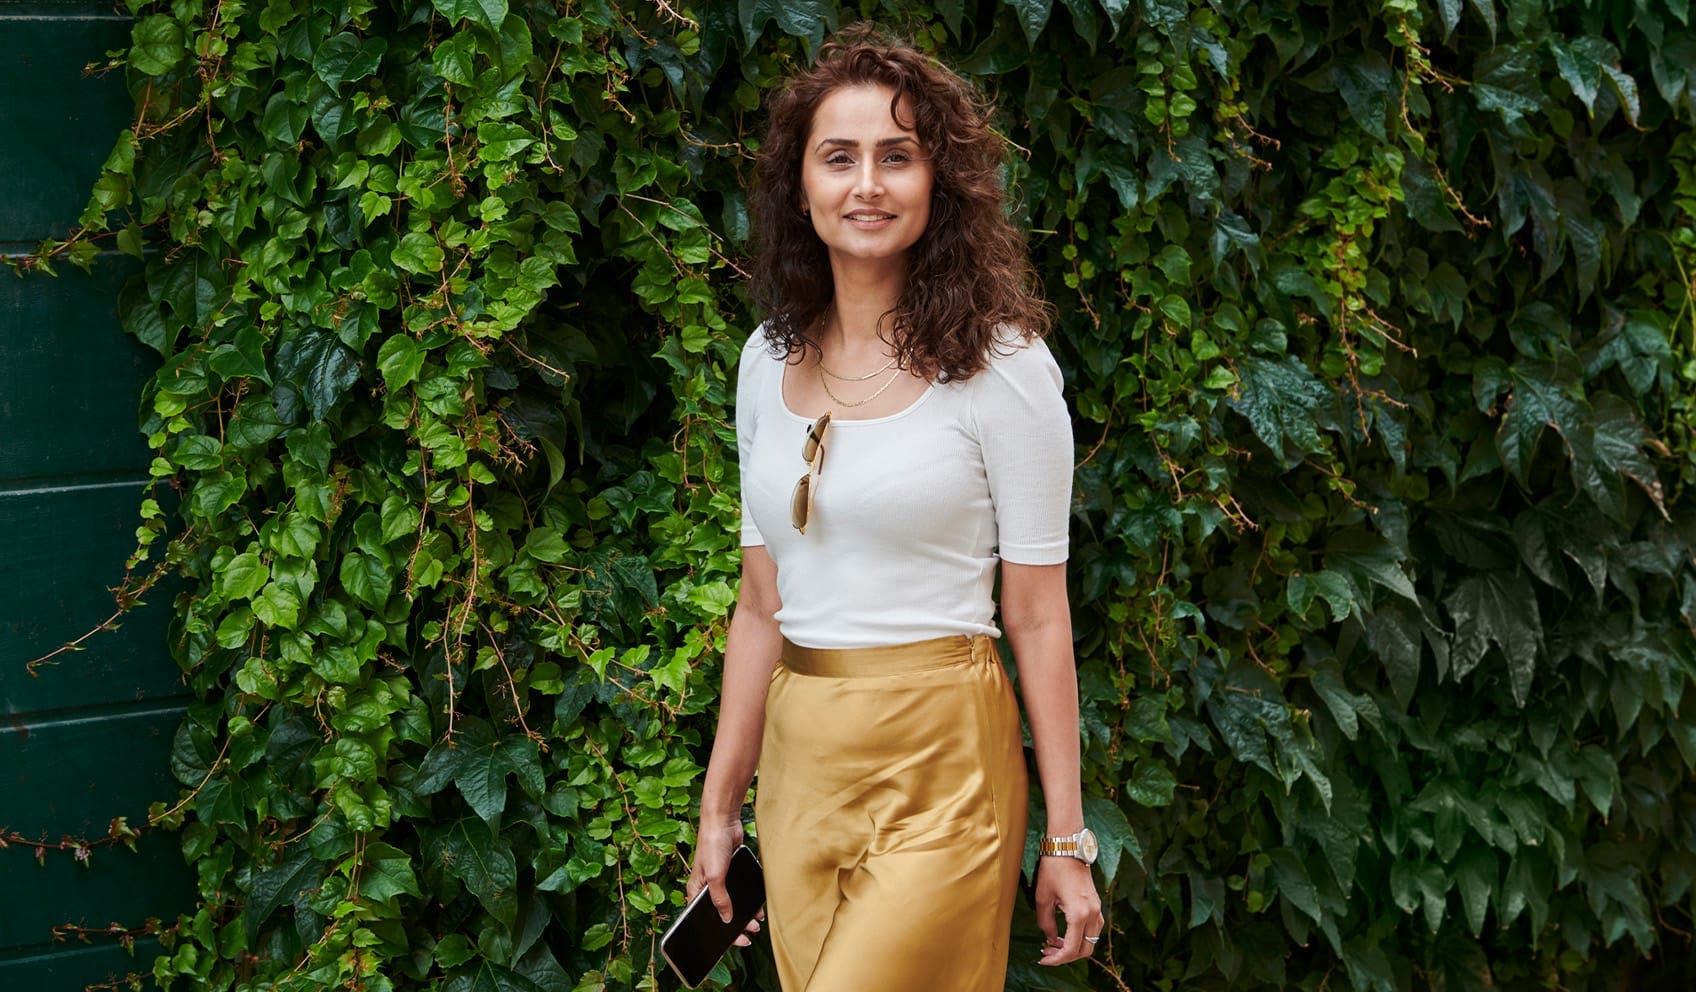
x: 825, y: 375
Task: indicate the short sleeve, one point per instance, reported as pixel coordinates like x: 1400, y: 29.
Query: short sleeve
x: 748, y: 369
x: 1025, y: 434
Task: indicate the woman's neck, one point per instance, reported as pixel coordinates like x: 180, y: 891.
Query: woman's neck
x: 863, y: 295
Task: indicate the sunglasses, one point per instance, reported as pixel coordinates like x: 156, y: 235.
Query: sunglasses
x: 812, y: 452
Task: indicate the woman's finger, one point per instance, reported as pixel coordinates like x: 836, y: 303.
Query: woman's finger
x: 720, y: 897
x: 1045, y: 919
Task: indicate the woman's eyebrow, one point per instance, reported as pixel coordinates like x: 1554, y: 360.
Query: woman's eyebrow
x: 881, y: 142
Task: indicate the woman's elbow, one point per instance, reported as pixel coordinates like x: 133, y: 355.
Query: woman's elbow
x: 1033, y: 599
x: 757, y: 597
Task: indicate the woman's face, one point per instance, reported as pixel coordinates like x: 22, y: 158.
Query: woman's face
x: 865, y: 179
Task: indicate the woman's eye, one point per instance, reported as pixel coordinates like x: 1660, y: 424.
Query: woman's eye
x: 838, y: 160
x: 898, y: 158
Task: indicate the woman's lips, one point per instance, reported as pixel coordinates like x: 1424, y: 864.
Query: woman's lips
x: 869, y: 221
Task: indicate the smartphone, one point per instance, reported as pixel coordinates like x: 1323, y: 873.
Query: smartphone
x: 698, y: 938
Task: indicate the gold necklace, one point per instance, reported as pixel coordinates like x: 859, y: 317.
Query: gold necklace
x: 856, y: 378
x: 826, y: 384
x: 829, y: 311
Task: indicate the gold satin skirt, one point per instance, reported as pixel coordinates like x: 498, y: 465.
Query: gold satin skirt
x: 891, y: 816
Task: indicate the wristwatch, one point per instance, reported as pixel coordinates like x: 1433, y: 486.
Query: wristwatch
x: 1081, y: 845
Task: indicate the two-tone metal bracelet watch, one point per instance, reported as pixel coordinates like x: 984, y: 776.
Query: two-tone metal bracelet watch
x: 1081, y: 845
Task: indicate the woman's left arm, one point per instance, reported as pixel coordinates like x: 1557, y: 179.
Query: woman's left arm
x: 1037, y: 619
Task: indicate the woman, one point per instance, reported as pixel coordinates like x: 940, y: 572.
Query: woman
x: 903, y: 338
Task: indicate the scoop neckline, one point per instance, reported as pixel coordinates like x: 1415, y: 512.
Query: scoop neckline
x: 835, y: 421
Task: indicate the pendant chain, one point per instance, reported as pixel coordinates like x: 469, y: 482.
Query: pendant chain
x: 825, y: 375
x: 826, y: 383
x: 856, y: 378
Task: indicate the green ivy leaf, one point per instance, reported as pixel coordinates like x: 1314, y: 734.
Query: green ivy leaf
x: 1113, y: 834
x: 156, y: 45
x: 808, y: 19
x: 1289, y: 873
x: 469, y: 851
x: 387, y: 874
x: 1364, y: 81
x: 317, y: 368
x: 276, y: 886
x: 418, y: 253
x: 1033, y: 16
x: 243, y: 577
x: 1499, y: 608
x: 366, y: 578
x: 1280, y: 399
x: 482, y: 772
x: 346, y: 57
x: 1475, y: 876
x: 486, y: 976
x: 489, y: 13
x: 399, y: 360
x: 1506, y: 81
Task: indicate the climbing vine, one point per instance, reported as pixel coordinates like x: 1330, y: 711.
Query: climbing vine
x: 1378, y: 329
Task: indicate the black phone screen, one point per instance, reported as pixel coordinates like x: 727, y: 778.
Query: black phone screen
x: 699, y: 938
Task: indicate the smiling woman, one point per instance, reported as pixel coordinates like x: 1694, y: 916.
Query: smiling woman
x: 903, y: 337
x: 868, y: 196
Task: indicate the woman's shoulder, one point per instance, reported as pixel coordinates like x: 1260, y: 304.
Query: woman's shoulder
x: 1018, y: 358
x: 757, y: 352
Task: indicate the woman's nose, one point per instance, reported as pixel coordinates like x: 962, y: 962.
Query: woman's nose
x: 867, y: 183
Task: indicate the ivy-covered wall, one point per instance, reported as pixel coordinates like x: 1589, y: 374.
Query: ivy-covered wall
x: 1377, y: 325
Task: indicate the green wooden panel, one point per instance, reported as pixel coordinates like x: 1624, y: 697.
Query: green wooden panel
x: 75, y: 967
x: 69, y: 776
x: 90, y: 738
x: 70, y: 378
x: 64, y: 547
x: 118, y: 886
x: 59, y: 123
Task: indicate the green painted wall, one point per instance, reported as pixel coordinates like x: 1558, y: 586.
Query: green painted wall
x: 88, y: 738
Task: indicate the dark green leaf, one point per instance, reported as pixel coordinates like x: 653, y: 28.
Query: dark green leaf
x: 317, y: 368
x: 1033, y: 16
x: 1290, y: 875
x: 802, y: 18
x: 486, y: 976
x: 346, y: 57
x: 1499, y: 608
x: 157, y: 45
x: 488, y: 13
x: 1364, y: 82
x: 469, y: 851
x: 279, y: 885
x: 1113, y: 834
x: 386, y: 873
x: 1475, y: 876
x: 1280, y: 399
x: 1506, y: 81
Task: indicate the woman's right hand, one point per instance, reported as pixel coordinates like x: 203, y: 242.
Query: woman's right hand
x: 715, y: 840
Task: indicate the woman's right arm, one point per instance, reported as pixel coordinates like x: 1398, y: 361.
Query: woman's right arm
x: 751, y: 650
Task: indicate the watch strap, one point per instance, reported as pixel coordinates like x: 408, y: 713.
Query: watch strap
x: 1062, y: 847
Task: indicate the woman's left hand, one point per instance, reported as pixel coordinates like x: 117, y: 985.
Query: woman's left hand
x: 1065, y: 884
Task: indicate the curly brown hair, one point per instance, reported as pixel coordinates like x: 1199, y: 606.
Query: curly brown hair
x: 969, y: 273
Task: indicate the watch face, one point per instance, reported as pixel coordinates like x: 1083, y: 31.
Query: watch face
x: 1087, y: 845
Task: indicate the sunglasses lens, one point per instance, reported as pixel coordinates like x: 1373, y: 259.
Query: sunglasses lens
x: 798, y: 503
x: 812, y: 452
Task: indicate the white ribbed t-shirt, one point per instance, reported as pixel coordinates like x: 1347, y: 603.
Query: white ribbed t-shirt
x: 912, y: 510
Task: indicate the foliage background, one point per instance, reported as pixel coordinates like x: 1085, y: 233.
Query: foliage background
x: 1377, y: 323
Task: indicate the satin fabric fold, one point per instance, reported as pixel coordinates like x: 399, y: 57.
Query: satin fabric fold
x: 891, y: 816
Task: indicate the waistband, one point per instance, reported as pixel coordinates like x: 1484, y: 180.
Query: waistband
x: 889, y: 659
